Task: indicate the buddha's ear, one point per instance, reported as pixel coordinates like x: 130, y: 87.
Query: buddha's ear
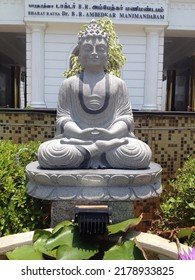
x: 106, y: 63
x: 81, y: 61
x: 76, y: 50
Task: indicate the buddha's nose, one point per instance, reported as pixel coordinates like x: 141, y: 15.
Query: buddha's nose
x: 94, y: 52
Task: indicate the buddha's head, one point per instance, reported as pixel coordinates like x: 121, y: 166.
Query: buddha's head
x: 93, y: 47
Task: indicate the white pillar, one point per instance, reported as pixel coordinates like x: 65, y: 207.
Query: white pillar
x: 37, y: 65
x: 151, y: 68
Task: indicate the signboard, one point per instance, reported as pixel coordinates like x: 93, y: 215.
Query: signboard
x: 139, y: 11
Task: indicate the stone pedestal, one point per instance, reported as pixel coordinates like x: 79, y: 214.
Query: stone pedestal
x: 117, y: 188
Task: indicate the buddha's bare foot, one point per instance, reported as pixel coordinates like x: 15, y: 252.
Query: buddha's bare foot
x: 110, y: 144
x: 96, y: 163
x: 102, y: 146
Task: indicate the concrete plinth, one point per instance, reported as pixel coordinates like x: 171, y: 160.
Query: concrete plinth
x: 64, y: 210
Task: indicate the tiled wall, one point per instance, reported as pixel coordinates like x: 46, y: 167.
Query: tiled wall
x: 171, y: 136
x: 172, y: 139
x: 24, y: 126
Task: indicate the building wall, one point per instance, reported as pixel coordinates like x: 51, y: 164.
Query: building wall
x: 12, y: 12
x: 181, y: 15
x: 60, y: 36
x: 53, y: 37
x: 133, y: 39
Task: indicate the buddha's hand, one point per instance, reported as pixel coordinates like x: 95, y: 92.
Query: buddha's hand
x: 87, y: 134
x: 95, y: 134
x: 102, y: 134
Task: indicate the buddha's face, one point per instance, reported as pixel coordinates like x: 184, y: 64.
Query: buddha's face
x: 93, y: 54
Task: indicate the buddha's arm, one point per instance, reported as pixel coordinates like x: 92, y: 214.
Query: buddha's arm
x: 72, y: 130
x: 117, y: 130
x: 123, y: 119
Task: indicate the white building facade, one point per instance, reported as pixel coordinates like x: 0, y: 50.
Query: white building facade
x: 157, y: 35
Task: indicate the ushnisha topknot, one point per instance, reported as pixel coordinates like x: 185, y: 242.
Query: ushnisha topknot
x: 93, y: 29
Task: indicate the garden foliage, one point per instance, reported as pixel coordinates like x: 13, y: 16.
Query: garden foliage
x: 19, y: 212
x: 177, y: 208
x: 66, y: 243
x: 178, y: 205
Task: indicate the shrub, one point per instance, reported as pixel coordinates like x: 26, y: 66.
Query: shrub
x: 178, y: 203
x: 176, y: 217
x: 19, y: 212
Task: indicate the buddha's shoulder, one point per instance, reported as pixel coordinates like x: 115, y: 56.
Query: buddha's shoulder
x: 115, y: 79
x: 70, y: 80
x: 68, y: 84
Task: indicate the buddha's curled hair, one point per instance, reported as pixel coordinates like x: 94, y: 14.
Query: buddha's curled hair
x: 92, y: 29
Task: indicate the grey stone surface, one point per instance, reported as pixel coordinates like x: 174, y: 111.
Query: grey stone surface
x: 64, y: 210
x: 94, y: 184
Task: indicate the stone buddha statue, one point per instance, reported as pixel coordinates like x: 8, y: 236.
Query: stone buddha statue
x: 94, y: 125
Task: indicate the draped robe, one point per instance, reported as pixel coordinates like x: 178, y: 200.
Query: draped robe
x: 113, y: 105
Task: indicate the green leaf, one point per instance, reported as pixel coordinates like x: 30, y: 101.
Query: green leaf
x: 61, y: 237
x: 61, y: 225
x: 124, y: 226
x: 125, y: 251
x: 40, y: 238
x: 191, y: 205
x: 26, y: 252
x: 186, y: 232
x: 66, y: 252
x: 69, y: 235
x: 41, y: 234
x: 68, y: 239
